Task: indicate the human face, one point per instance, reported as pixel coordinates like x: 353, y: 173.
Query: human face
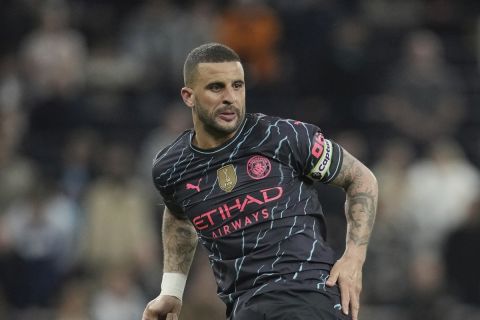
x: 217, y: 98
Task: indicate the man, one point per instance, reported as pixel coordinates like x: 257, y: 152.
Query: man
x: 243, y: 185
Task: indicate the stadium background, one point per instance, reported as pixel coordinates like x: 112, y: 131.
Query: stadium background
x: 89, y: 90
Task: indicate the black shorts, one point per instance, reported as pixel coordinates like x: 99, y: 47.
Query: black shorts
x: 292, y: 305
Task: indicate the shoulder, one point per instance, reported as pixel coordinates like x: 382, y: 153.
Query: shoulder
x: 266, y: 120
x: 283, y: 126
x: 173, y: 151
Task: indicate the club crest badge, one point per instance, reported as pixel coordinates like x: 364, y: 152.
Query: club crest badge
x: 258, y: 167
x: 227, y: 178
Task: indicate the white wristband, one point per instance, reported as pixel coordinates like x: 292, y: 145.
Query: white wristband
x: 173, y: 284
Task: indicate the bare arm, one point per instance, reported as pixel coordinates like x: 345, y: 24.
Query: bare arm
x: 361, y: 190
x: 179, y: 244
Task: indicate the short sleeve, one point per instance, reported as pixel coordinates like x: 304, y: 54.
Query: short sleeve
x: 172, y: 205
x: 167, y: 192
x: 326, y: 157
x: 319, y: 158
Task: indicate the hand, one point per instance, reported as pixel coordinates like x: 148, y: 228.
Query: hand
x: 163, y: 308
x: 347, y: 271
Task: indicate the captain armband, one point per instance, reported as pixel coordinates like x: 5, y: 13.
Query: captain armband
x: 322, y: 166
x: 173, y: 284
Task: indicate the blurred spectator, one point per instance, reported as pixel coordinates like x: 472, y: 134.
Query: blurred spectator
x: 389, y: 250
x: 146, y: 39
x: 78, y: 164
x: 16, y: 20
x: 347, y: 78
x: 396, y: 14
x: 110, y: 69
x: 440, y: 189
x: 118, y: 298
x: 16, y: 173
x: 391, y: 164
x: 160, y: 34
x: 447, y: 18
x: 74, y: 301
x: 12, y: 89
x: 423, y: 100
x: 305, y: 43
x: 119, y: 222
x: 39, y: 233
x: 427, y: 282
x: 356, y: 142
x: 202, y: 304
x: 461, y: 261
x: 54, y: 54
x: 53, y: 59
x: 196, y: 24
x: 253, y: 30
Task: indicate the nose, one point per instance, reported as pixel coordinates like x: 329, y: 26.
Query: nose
x: 229, y: 96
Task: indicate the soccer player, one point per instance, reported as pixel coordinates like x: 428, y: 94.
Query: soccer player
x: 242, y: 184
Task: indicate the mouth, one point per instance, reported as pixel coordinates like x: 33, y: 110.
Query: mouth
x: 227, y: 115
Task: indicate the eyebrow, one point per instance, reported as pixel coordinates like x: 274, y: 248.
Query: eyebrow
x: 218, y: 83
x: 222, y: 83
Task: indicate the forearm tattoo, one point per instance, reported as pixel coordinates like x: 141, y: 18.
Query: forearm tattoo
x: 179, y: 244
x: 361, y: 204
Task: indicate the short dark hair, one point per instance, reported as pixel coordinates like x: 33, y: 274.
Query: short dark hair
x: 209, y: 52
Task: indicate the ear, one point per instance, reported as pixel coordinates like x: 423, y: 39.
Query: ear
x: 188, y: 96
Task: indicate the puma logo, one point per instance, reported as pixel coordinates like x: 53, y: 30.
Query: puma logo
x: 190, y: 186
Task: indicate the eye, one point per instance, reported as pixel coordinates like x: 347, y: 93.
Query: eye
x: 215, y: 87
x: 238, y: 84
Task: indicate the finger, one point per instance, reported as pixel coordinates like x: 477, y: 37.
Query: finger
x: 355, y: 305
x: 332, y: 279
x: 148, y: 313
x: 355, y: 300
x: 345, y: 296
x: 172, y: 316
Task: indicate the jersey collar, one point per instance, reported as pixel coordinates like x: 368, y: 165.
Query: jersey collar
x: 221, y: 147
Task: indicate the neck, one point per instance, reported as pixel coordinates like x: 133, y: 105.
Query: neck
x: 205, y: 139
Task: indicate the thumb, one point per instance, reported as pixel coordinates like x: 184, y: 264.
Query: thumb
x: 332, y: 279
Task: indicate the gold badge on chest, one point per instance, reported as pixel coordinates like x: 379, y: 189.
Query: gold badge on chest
x: 227, y: 178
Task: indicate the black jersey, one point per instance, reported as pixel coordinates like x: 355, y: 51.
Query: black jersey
x: 253, y: 203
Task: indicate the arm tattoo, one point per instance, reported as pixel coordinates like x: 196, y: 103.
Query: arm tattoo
x: 179, y: 243
x: 361, y: 204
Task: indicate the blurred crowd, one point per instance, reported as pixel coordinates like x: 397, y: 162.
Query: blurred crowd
x: 89, y: 92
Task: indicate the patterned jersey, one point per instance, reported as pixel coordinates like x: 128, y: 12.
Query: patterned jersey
x: 253, y: 203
